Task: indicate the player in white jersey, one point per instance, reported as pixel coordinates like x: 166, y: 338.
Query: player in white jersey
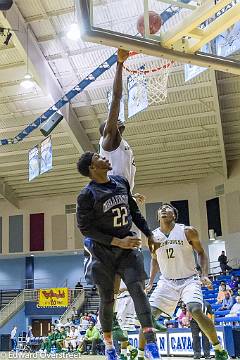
x: 125, y: 309
x: 125, y: 317
x: 112, y: 145
x: 174, y: 246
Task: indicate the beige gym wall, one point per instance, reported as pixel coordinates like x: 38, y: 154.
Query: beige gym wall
x: 195, y: 193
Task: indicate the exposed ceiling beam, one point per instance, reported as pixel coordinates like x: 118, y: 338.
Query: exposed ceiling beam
x: 25, y: 151
x: 219, y: 122
x: 57, y: 12
x: 184, y: 159
x: 197, y: 130
x: 7, y: 192
x: 11, y: 65
x: 42, y: 72
x: 150, y: 169
x: 171, y: 90
x: 202, y: 103
x: 71, y: 181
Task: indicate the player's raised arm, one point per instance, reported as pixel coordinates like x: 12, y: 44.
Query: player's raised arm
x: 111, y: 134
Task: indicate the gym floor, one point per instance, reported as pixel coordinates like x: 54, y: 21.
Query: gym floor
x: 21, y: 355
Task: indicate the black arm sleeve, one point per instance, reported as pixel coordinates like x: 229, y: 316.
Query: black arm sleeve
x: 86, y: 220
x: 137, y: 217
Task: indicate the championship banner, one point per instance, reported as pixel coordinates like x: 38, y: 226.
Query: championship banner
x: 55, y: 297
x: 191, y: 71
x: 228, y: 42
x: 33, y: 163
x: 46, y: 155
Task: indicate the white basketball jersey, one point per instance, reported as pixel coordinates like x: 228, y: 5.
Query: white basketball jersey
x: 175, y: 255
x: 122, y: 161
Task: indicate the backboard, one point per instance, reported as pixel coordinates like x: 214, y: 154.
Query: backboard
x: 203, y: 33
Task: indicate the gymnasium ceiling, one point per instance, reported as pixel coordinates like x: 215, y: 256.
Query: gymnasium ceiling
x: 195, y: 133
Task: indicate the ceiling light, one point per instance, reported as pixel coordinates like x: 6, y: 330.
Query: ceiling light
x: 27, y: 82
x: 74, y: 32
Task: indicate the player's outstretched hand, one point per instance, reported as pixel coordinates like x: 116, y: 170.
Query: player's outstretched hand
x: 129, y: 242
x: 122, y: 55
x: 206, y: 282
x: 140, y: 199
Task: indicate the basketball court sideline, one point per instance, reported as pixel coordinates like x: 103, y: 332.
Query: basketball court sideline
x: 10, y: 355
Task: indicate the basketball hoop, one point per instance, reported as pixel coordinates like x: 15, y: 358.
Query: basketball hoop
x: 147, y: 72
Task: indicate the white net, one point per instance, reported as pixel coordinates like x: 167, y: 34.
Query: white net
x: 152, y: 75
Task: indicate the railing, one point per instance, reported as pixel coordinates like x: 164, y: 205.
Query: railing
x: 77, y: 303
x: 16, y: 304
x: 215, y: 268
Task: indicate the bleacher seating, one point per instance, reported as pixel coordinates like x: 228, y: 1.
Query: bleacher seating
x: 6, y: 296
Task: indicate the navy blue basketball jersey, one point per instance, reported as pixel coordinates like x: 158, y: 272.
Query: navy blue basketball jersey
x: 107, y: 210
x: 107, y: 206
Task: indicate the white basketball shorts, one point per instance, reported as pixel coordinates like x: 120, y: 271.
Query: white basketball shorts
x: 168, y: 293
x: 125, y: 313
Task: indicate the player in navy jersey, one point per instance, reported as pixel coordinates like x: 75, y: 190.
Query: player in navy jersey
x: 105, y: 212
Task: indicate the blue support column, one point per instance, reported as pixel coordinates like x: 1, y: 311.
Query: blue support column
x: 29, y: 272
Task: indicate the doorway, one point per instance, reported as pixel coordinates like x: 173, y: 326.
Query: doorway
x: 41, y: 327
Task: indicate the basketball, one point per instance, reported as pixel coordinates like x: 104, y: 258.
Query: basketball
x: 155, y: 23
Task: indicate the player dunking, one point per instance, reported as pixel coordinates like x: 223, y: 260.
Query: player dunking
x: 174, y: 245
x: 105, y: 211
x: 112, y: 145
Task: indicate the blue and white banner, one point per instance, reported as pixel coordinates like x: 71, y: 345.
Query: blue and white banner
x: 46, y: 155
x: 228, y: 42
x: 161, y: 340
x: 33, y: 163
x: 191, y: 71
x: 180, y: 343
x: 137, y: 94
x: 121, y: 115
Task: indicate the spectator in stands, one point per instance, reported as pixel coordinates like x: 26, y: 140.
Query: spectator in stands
x: 94, y: 290
x: 223, y: 262
x: 69, y: 322
x: 49, y: 340
x: 184, y: 318
x: 222, y: 292
x: 235, y: 310
x: 207, y: 310
x: 227, y: 302
x: 78, y: 288
x: 29, y: 334
x: 71, y: 341
x: 84, y: 322
x: 13, y: 337
x: 74, y: 312
x: 233, y: 283
x: 57, y: 324
x: 92, y: 337
x: 61, y: 338
x: 178, y: 310
x: 223, y: 283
